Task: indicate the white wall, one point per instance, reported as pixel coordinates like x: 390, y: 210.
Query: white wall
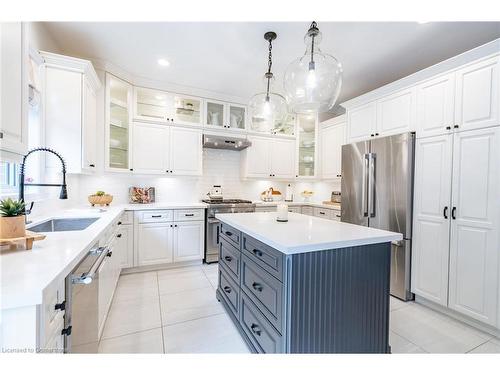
x: 40, y: 39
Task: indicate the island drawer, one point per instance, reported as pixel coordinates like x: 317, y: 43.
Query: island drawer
x: 262, y: 334
x: 229, y: 233
x: 265, y: 256
x: 230, y: 256
x: 189, y: 215
x: 155, y: 216
x: 264, y: 290
x: 229, y: 289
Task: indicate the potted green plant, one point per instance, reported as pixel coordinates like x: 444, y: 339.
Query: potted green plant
x: 12, y: 219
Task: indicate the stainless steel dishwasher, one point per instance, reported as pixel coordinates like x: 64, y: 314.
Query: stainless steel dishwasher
x: 81, y: 318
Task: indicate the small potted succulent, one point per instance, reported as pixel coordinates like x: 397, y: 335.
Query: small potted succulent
x: 100, y: 198
x: 12, y: 220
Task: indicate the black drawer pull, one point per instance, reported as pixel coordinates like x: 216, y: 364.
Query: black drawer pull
x: 227, y: 233
x: 228, y: 258
x: 448, y: 128
x: 189, y: 215
x: 255, y: 329
x: 155, y: 216
x: 445, y: 212
x: 322, y: 213
x: 67, y: 331
x: 92, y: 165
x: 258, y: 287
x: 227, y: 289
x: 337, y: 215
x: 257, y: 252
x: 119, y: 223
x: 109, y: 254
x: 119, y: 235
x: 60, y: 306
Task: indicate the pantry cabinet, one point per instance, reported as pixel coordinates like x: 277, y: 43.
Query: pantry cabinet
x: 332, y: 139
x: 269, y: 158
x: 477, y: 95
x: 13, y: 87
x: 435, y: 106
x: 70, y: 112
x: 166, y: 150
x: 456, y: 240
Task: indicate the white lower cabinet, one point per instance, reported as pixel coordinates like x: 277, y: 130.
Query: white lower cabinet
x: 456, y: 236
x: 188, y: 240
x: 125, y: 244
x: 155, y: 243
x: 164, y: 242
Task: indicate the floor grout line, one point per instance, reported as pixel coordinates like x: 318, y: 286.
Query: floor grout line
x: 411, y: 342
x: 192, y: 320
x: 161, y: 317
x: 468, y: 351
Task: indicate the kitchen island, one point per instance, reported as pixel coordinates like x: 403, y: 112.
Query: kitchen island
x: 309, y: 285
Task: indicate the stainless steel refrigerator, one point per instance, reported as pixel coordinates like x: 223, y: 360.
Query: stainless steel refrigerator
x: 377, y: 191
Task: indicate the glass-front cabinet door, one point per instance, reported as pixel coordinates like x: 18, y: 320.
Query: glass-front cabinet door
x: 215, y: 113
x: 187, y: 110
x: 237, y: 116
x: 118, y: 96
x: 286, y: 126
x: 307, y: 128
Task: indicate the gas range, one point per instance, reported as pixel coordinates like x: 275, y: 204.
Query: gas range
x: 229, y: 203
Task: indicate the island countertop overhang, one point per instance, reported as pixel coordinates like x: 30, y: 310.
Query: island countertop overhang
x: 303, y: 233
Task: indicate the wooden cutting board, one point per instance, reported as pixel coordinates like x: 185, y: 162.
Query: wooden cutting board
x: 27, y: 239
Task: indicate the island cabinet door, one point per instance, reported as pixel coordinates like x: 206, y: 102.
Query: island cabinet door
x: 154, y: 243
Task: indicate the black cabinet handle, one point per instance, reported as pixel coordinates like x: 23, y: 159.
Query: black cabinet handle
x: 372, y: 135
x: 255, y: 329
x: 455, y: 126
x: 60, y: 306
x: 67, y: 331
x: 228, y: 258
x: 339, y: 175
x: 110, y: 254
x: 131, y: 169
x: 189, y: 215
x: 119, y: 235
x: 227, y: 233
x: 321, y: 213
x: 257, y: 252
x: 92, y: 165
x: 453, y: 212
x: 376, y: 134
x: 155, y: 216
x: 445, y: 212
x: 337, y: 215
x: 258, y: 287
x: 227, y: 289
x: 119, y: 223
x: 448, y: 128
x: 175, y: 225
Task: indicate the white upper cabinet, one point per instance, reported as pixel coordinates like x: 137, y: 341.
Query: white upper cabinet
x: 185, y: 152
x: 307, y: 150
x: 269, y: 158
x: 160, y: 149
x: 431, y: 221
x: 222, y: 115
x: 150, y: 148
x: 70, y: 112
x: 474, y: 250
x: 396, y: 113
x: 477, y: 95
x: 160, y: 106
x: 332, y: 139
x: 282, y: 158
x: 13, y: 88
x: 255, y: 159
x: 435, y: 106
x: 117, y: 156
x: 361, y: 122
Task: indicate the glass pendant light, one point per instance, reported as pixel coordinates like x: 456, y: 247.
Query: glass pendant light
x: 267, y: 108
x: 312, y: 82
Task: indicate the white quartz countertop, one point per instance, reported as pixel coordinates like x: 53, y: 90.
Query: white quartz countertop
x: 335, y: 206
x: 25, y: 273
x: 304, y: 233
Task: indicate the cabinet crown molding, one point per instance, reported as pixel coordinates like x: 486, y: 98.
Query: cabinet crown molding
x: 73, y: 64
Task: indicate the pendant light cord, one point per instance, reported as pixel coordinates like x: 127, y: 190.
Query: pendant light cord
x: 269, y: 75
x: 313, y: 31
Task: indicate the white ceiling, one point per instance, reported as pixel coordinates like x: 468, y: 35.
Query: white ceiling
x: 231, y: 58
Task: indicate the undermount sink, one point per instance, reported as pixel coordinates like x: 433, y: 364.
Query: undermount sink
x: 63, y: 225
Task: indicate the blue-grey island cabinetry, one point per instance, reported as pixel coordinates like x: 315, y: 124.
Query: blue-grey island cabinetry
x: 327, y: 301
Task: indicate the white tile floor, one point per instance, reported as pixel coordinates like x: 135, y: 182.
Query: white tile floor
x: 175, y: 311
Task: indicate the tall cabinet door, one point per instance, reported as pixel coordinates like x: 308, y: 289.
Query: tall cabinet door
x: 431, y: 220
x: 89, y: 144
x: 188, y: 240
x: 283, y: 158
x: 256, y: 158
x: 149, y: 148
x: 477, y: 95
x: 154, y: 244
x: 435, y: 106
x: 332, y: 139
x: 474, y: 250
x: 361, y: 122
x: 185, y: 151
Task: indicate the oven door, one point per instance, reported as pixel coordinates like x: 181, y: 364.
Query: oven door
x: 212, y: 241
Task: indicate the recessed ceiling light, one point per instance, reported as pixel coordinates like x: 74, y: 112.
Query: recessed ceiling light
x: 163, y: 62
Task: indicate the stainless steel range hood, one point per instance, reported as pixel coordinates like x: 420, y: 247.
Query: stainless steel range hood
x: 224, y: 142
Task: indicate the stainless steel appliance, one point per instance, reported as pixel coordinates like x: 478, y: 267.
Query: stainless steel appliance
x: 212, y: 224
x: 224, y: 142
x: 81, y: 318
x: 377, y: 191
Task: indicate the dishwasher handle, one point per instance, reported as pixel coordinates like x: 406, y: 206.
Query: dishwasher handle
x: 88, y: 277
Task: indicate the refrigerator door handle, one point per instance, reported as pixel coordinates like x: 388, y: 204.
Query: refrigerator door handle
x: 364, y: 201
x: 371, y: 183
